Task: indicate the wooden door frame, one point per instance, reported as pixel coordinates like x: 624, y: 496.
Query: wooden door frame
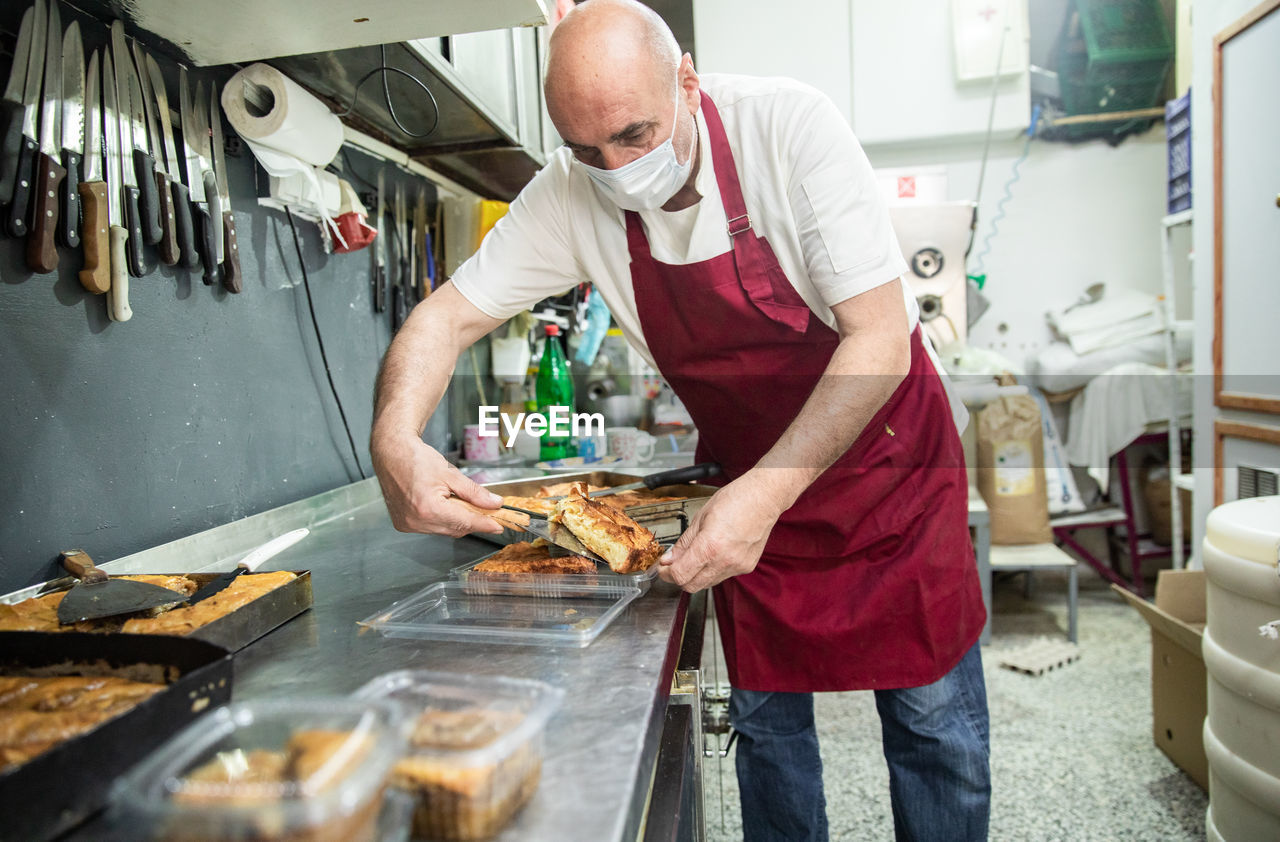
x: 1223, y: 430
x: 1233, y: 400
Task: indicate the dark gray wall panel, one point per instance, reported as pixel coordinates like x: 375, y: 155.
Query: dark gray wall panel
x: 204, y: 408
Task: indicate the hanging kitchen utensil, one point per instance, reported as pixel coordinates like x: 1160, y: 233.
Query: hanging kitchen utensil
x: 24, y: 156
x: 98, y: 595
x: 249, y: 564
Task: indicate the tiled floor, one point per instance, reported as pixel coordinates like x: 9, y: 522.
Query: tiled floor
x: 1072, y: 756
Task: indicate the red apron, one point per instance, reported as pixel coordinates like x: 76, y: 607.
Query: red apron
x: 868, y: 581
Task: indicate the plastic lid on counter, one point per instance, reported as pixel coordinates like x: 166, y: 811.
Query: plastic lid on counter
x: 271, y: 769
x: 487, y: 716
x: 511, y: 613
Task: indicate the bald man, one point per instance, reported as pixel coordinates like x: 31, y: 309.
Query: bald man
x: 735, y: 229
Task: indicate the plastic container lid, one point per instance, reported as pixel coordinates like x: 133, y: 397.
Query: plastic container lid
x: 530, y: 703
x: 270, y: 768
x: 552, y: 330
x: 506, y: 613
x: 1248, y: 529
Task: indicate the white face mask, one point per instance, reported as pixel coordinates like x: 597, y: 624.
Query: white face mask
x: 649, y: 181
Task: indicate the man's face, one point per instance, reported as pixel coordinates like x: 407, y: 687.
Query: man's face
x: 608, y: 123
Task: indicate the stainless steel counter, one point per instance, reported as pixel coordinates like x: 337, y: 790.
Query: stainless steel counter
x: 600, y: 747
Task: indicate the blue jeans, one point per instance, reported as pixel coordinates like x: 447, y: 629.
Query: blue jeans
x: 935, y: 742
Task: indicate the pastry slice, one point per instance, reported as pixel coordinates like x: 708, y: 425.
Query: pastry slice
x: 626, y: 545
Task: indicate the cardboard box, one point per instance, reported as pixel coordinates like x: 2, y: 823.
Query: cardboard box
x: 1179, y: 684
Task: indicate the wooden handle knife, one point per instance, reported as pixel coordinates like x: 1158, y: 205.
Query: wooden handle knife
x: 96, y: 274
x: 231, y: 275
x: 42, y: 255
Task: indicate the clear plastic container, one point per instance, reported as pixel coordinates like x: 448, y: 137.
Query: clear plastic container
x: 475, y: 755
x: 550, y: 584
x: 506, y: 613
x: 302, y: 770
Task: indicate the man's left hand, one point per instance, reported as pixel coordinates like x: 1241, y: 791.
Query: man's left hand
x: 725, y: 538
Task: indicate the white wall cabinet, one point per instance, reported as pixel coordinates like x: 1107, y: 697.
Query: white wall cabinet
x: 900, y: 55
x: 253, y: 30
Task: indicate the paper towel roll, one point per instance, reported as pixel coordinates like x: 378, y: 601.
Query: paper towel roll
x: 271, y: 111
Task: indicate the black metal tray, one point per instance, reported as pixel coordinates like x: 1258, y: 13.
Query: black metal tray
x: 232, y: 632
x: 666, y: 520
x: 250, y: 622
x: 64, y: 786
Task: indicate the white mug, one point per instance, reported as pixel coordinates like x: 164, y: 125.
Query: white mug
x: 630, y: 444
x: 478, y: 448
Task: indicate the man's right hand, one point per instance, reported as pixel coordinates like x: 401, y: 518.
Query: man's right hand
x: 421, y: 490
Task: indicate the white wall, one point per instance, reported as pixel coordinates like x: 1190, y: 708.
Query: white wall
x: 808, y: 41
x: 1209, y: 19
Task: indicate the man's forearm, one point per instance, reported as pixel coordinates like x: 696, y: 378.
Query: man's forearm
x: 416, y: 369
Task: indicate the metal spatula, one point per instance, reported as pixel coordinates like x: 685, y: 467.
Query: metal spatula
x: 97, y: 595
x: 555, y: 534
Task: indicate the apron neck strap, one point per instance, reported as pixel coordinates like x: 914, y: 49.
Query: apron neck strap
x: 735, y: 208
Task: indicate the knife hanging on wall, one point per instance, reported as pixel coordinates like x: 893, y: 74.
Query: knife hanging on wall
x: 230, y: 254
x: 11, y: 110
x: 42, y: 255
x: 72, y: 134
x: 25, y: 154
x: 96, y: 274
x: 117, y: 218
x: 141, y: 176
x: 130, y: 127
x: 167, y: 246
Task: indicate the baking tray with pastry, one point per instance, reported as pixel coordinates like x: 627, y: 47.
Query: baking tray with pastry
x: 665, y: 502
x: 230, y: 609
x: 77, y: 710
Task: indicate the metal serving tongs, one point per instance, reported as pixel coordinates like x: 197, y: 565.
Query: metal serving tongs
x: 540, y: 525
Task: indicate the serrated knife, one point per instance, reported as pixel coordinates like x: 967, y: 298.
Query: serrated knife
x: 42, y: 255
x: 24, y: 167
x: 96, y: 274
x: 72, y: 134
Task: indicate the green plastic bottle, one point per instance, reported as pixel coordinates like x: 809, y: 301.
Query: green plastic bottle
x: 554, y: 388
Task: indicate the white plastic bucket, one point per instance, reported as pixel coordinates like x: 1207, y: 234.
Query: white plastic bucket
x: 1242, y: 730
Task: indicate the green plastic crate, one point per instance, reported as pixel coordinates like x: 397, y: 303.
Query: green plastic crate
x: 1128, y: 34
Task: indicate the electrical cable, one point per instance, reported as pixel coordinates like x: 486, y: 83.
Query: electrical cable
x: 384, y: 69
x: 1014, y: 176
x: 324, y: 358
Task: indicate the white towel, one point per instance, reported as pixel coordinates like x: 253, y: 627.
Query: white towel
x: 1117, y: 318
x: 1115, y: 408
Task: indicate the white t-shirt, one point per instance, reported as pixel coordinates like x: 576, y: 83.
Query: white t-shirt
x: 808, y: 187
